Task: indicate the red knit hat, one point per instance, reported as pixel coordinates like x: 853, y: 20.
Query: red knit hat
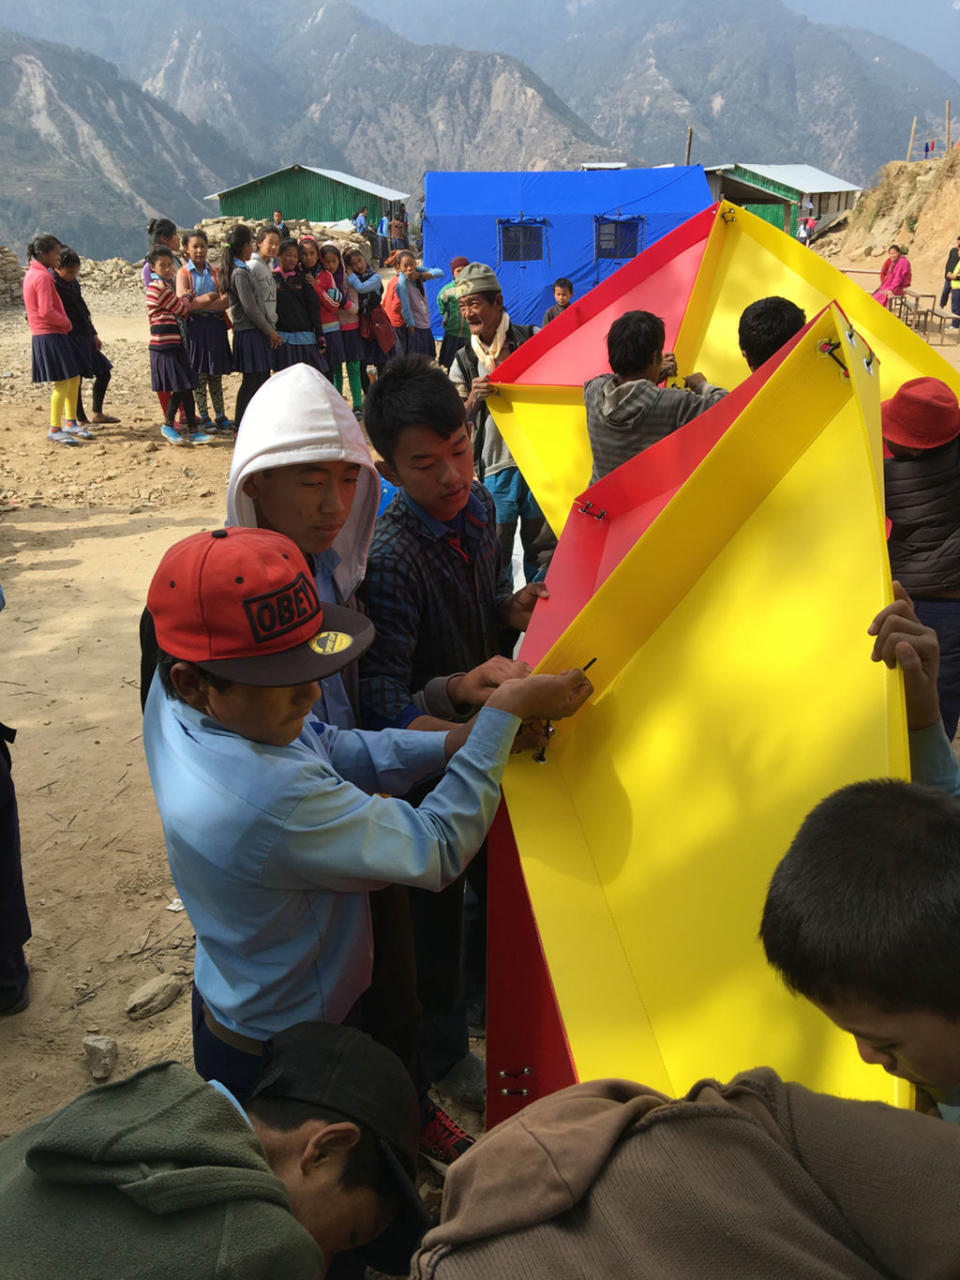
x: 922, y: 415
x: 459, y: 262
x: 242, y: 603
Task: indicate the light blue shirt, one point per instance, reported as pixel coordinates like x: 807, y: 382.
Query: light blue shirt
x: 360, y: 222
x: 202, y: 280
x: 932, y: 761
x: 275, y: 849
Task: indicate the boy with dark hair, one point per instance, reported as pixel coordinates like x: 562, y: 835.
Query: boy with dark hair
x: 562, y: 296
x: 319, y: 1160
x: 863, y: 912
x: 765, y: 326
x: 627, y: 411
x: 438, y: 595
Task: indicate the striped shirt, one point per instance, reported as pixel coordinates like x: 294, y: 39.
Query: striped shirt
x: 163, y: 308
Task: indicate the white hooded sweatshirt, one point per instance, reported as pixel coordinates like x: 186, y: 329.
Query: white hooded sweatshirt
x: 297, y: 416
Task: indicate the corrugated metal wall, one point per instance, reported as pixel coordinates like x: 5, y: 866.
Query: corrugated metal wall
x: 777, y: 188
x: 299, y: 194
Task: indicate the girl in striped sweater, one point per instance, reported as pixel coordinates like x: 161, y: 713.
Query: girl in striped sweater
x: 169, y: 367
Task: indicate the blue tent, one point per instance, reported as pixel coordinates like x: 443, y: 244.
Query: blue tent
x: 533, y: 227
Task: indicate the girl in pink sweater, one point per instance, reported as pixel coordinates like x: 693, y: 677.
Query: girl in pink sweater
x: 55, y: 358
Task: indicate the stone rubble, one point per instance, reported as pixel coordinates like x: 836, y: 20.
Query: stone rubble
x: 101, y: 1053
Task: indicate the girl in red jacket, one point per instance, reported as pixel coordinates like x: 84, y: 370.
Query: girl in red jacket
x: 55, y: 358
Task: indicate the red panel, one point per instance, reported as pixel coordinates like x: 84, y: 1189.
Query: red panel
x: 527, y: 1051
x: 593, y: 544
x: 573, y: 348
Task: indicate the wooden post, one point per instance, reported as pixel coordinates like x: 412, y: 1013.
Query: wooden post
x: 912, y: 135
x: 947, y: 147
x: 686, y: 158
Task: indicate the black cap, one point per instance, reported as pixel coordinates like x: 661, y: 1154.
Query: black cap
x: 342, y: 1070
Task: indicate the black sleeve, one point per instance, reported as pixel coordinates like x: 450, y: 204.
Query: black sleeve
x: 312, y: 304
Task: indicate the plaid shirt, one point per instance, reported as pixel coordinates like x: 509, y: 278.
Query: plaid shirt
x: 433, y: 593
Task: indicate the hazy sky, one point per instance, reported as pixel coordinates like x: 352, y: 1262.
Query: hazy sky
x: 929, y: 26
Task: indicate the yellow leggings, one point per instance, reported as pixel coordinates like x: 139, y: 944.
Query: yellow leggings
x: 63, y: 402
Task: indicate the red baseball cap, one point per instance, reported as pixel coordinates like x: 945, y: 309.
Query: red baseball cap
x: 242, y: 604
x: 922, y: 415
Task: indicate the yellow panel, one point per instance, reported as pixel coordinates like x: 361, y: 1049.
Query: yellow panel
x: 734, y: 690
x: 546, y: 430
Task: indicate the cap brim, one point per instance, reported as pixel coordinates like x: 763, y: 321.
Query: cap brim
x: 392, y: 1250
x: 344, y: 636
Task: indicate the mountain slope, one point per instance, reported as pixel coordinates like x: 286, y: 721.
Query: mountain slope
x: 89, y: 156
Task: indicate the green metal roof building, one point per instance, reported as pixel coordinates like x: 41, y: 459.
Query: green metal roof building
x: 300, y: 191
x: 779, y: 193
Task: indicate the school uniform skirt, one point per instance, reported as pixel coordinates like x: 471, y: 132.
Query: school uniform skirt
x: 372, y: 353
x: 54, y: 358
x: 289, y: 353
x: 449, y: 348
x: 251, y: 352
x: 351, y: 343
x: 93, y: 363
x: 419, y: 342
x: 170, y: 370
x: 335, y: 352
x: 208, y: 347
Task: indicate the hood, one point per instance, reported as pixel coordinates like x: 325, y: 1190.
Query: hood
x: 621, y: 403
x: 163, y: 1137
x: 297, y: 416
x: 540, y: 1163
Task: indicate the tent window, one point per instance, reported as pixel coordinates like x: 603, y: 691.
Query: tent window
x: 521, y: 242
x: 617, y: 239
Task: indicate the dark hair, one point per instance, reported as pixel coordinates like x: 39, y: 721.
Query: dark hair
x: 69, y: 257
x: 410, y: 390
x: 895, y: 246
x: 288, y: 243
x: 42, y: 244
x: 866, y: 901
x: 268, y: 230
x: 363, y: 1166
x: 161, y: 229
x: 238, y: 237
x: 563, y: 283
x: 337, y: 272
x: 197, y: 233
x: 633, y: 341
x: 158, y: 252
x: 165, y: 663
x: 766, y: 325
x: 355, y: 253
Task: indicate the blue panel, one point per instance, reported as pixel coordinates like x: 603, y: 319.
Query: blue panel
x: 462, y: 212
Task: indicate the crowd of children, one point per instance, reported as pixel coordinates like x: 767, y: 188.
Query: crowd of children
x: 330, y: 698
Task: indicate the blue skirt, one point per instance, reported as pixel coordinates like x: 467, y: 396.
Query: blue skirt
x: 335, y: 352
x: 55, y: 358
x: 351, y: 343
x: 419, y: 342
x: 170, y: 370
x: 449, y: 348
x: 93, y: 363
x: 208, y: 348
x: 251, y: 352
x: 287, y: 354
x: 371, y: 352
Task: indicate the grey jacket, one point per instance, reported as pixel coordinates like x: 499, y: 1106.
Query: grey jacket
x: 624, y: 418
x: 253, y: 297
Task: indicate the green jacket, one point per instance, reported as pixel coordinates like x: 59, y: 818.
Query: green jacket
x: 453, y: 321
x: 156, y: 1176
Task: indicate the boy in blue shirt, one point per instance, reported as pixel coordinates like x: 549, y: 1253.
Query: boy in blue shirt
x: 274, y: 825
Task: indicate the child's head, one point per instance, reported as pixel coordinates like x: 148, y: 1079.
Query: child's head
x: 765, y: 326
x: 415, y: 420
x: 309, y: 253
x: 161, y: 262
x: 407, y: 265
x: 243, y: 635
x: 196, y: 245
x: 68, y: 264
x: 355, y: 261
x: 288, y: 255
x: 635, y: 346
x: 562, y: 292
x: 330, y: 258
x: 457, y: 265
x: 163, y: 231
x: 268, y: 242
x: 923, y: 414
x: 863, y: 918
x: 238, y: 248
x: 45, y: 249
x: 277, y: 216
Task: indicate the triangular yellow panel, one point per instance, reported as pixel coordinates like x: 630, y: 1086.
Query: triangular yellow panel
x: 734, y: 689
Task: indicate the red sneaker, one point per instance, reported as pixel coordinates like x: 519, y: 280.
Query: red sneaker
x: 442, y: 1140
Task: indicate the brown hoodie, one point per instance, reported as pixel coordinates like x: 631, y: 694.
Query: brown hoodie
x: 756, y: 1178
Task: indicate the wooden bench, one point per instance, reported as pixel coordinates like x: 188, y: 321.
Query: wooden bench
x: 938, y: 316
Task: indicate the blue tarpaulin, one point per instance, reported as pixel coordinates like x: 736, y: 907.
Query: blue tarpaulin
x: 533, y: 227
